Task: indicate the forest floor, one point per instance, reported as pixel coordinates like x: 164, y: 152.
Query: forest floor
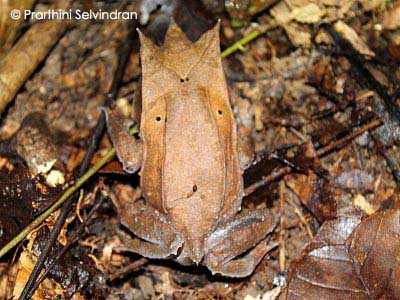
x: 314, y: 92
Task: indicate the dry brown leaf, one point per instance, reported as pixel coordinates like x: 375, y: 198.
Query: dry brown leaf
x: 352, y: 36
x: 46, y: 291
x: 326, y: 273
x: 391, y: 19
x: 365, y: 267
x: 336, y: 232
x: 369, y: 5
x: 314, y: 193
x: 310, y: 13
x: 374, y: 247
x: 298, y: 35
x: 281, y: 13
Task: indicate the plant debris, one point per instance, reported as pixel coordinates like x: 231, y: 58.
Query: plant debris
x: 314, y: 91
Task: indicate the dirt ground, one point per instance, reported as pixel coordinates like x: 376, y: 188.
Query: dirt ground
x: 314, y: 89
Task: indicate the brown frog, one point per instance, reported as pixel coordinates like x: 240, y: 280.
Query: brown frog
x: 190, y: 172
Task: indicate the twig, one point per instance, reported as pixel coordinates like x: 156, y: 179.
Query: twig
x: 70, y: 191
x: 303, y: 220
x: 341, y: 142
x: 238, y: 45
x: 267, y: 179
x: 131, y: 267
x: 72, y: 241
x: 282, y: 247
x: 93, y: 144
x: 358, y: 63
x: 320, y: 152
x: 94, y: 141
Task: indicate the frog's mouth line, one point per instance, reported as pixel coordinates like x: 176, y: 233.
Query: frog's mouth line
x: 189, y: 194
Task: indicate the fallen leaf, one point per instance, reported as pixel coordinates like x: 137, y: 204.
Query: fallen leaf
x: 351, y: 35
x: 366, y: 266
x: 369, y: 5
x: 272, y: 294
x: 360, y: 201
x: 310, y: 13
x: 374, y: 247
x: 391, y: 19
x: 315, y: 193
x: 281, y: 13
x: 47, y: 290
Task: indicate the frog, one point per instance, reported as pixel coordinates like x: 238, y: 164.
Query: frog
x: 191, y: 174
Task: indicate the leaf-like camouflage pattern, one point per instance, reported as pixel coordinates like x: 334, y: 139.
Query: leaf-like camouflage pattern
x: 190, y: 164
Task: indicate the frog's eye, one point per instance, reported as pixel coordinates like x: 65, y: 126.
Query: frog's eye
x: 194, y: 188
x: 158, y: 118
x: 219, y: 112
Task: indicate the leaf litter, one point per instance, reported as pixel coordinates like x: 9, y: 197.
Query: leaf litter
x: 290, y: 86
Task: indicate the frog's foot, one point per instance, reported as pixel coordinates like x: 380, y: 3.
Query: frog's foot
x: 155, y: 236
x: 233, y: 239
x: 129, y: 148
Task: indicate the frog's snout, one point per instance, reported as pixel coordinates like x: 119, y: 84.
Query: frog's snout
x: 197, y: 252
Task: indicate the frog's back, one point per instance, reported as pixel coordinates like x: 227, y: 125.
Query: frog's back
x: 190, y: 166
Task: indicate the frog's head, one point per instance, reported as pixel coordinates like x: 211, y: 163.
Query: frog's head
x: 178, y: 53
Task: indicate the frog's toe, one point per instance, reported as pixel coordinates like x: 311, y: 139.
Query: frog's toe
x: 235, y: 248
x: 241, y: 267
x: 152, y: 250
x: 155, y: 236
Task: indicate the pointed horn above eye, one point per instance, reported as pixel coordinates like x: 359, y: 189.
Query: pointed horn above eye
x: 144, y: 40
x: 175, y: 34
x: 212, y: 34
x: 148, y: 49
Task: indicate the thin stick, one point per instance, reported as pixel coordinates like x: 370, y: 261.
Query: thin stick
x: 282, y: 247
x: 131, y: 267
x: 341, y: 142
x: 72, y: 241
x: 267, y: 179
x: 359, y: 65
x: 320, y: 152
x: 246, y: 39
x: 94, y: 141
x: 70, y: 191
x: 298, y: 212
x: 18, y: 238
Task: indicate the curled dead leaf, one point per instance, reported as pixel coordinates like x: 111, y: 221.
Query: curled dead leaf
x: 366, y: 266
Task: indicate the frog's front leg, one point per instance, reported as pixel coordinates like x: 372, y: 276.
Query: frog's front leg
x: 155, y: 236
x: 232, y: 239
x: 129, y: 148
